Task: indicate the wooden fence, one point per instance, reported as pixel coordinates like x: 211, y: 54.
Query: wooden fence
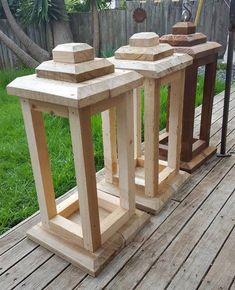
x: 117, y: 25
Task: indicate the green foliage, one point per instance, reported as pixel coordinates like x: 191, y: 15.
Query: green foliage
x: 38, y: 11
x: 85, y: 5
x: 221, y: 66
x: 18, y: 198
x: 108, y: 53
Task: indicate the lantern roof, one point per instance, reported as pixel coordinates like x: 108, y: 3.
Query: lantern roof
x: 75, y: 78
x: 185, y: 39
x: 146, y: 55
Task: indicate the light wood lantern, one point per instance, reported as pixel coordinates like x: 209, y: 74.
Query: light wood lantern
x: 90, y: 226
x: 194, y: 150
x: 155, y: 180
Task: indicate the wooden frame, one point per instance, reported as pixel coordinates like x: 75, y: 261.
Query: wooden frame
x: 59, y: 225
x: 91, y: 226
x: 155, y: 180
x: 195, y: 150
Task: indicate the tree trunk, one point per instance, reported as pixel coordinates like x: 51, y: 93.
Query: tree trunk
x: 96, y: 27
x: 22, y: 55
x: 36, y: 51
x: 61, y: 29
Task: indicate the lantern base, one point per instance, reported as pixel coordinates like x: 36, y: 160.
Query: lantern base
x: 198, y: 160
x: 90, y: 262
x: 167, y: 187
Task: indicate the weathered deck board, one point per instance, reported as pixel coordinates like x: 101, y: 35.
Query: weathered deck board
x: 141, y: 263
x: 183, y: 247
x: 221, y: 274
x: 171, y: 260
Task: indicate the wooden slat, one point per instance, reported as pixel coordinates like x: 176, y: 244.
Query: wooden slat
x: 221, y: 273
x: 19, y: 251
x: 40, y: 278
x: 207, y: 103
x: 171, y: 260
x: 21, y: 270
x: 137, y: 122
x: 125, y: 139
x: 67, y: 229
x: 40, y: 161
x: 113, y: 222
x: 192, y: 271
x: 175, y: 121
x: 188, y: 112
x: 135, y: 269
x: 67, y: 279
x: 109, y: 143
x: 151, y: 135
x: 80, y: 126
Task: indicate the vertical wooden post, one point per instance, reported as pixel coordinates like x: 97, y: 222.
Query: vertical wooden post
x: 151, y: 135
x: 168, y: 107
x: 175, y: 121
x: 80, y: 127
x: 35, y: 131
x: 137, y: 123
x: 207, y: 103
x: 109, y: 143
x: 125, y: 136
x: 188, y: 113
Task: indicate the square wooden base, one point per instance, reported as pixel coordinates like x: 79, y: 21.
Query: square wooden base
x: 200, y: 152
x: 150, y: 204
x: 92, y: 263
x: 198, y: 160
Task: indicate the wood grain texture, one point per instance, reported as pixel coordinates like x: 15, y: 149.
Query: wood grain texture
x: 75, y: 95
x: 74, y: 73
x: 73, y: 53
x: 184, y: 40
x: 153, y: 53
x: 144, y: 39
x: 36, y: 136
x: 80, y: 126
x: 155, y: 69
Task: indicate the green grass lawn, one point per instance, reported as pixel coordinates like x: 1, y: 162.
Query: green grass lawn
x: 17, y: 192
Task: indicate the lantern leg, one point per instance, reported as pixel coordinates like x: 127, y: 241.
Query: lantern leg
x: 151, y: 135
x: 40, y: 162
x: 175, y: 121
x: 80, y: 126
x: 137, y: 122
x: 207, y: 105
x: 188, y: 113
x: 125, y: 136
x: 109, y: 143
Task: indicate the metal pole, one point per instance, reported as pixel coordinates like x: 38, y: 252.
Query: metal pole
x: 199, y: 12
x: 229, y: 69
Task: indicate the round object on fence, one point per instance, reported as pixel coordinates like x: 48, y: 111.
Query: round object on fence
x: 139, y: 15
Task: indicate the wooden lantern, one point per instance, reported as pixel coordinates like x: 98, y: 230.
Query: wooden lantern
x: 89, y: 226
x: 155, y: 180
x: 194, y: 150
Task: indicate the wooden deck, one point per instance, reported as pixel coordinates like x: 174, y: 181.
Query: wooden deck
x: 190, y: 244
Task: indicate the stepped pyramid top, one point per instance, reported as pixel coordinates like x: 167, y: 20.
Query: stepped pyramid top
x: 185, y: 39
x: 74, y: 62
x: 144, y: 46
x: 75, y: 78
x: 184, y: 34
